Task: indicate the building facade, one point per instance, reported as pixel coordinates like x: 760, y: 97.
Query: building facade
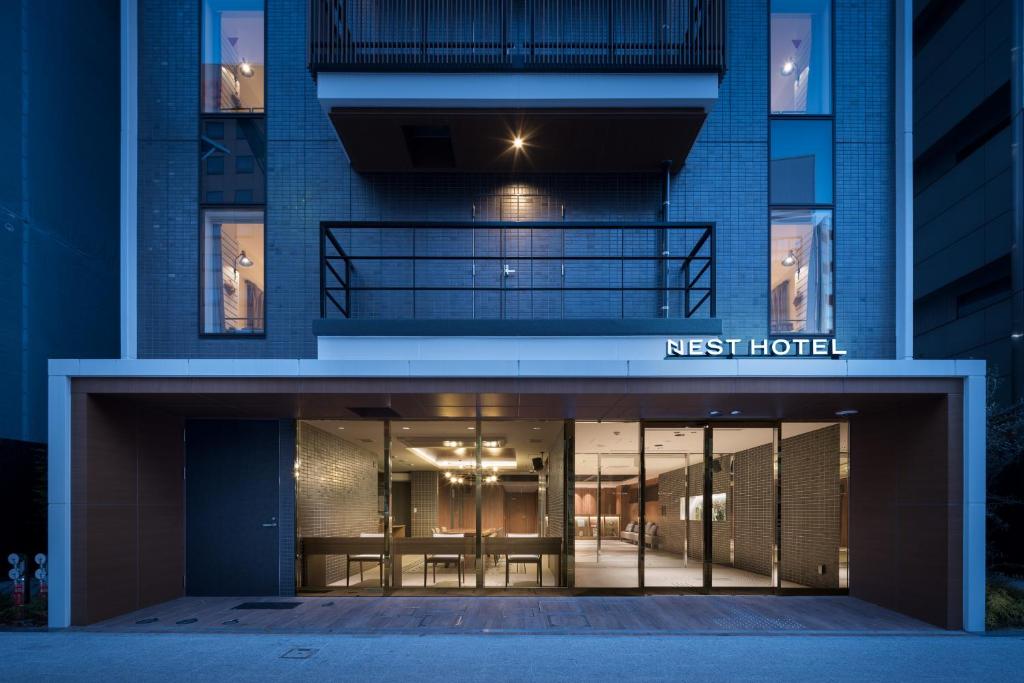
x: 597, y: 295
x: 58, y: 267
x: 968, y: 272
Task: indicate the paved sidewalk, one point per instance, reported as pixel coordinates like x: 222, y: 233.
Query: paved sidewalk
x: 88, y: 656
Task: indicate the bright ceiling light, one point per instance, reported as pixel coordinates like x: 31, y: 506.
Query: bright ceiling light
x: 788, y: 67
x: 847, y: 412
x: 517, y: 142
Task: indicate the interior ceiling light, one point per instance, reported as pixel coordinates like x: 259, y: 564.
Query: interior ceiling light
x: 790, y: 259
x: 245, y: 68
x: 714, y: 413
x: 243, y: 260
x: 536, y: 429
x: 846, y: 412
x: 406, y: 428
x: 735, y: 412
x: 788, y: 67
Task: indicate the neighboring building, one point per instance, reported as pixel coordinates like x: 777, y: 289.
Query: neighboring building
x: 484, y: 294
x: 59, y: 228
x: 968, y: 270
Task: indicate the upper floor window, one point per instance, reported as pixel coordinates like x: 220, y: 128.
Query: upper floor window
x: 800, y: 62
x: 801, y: 162
x: 233, y: 56
x: 801, y: 272
x: 233, y: 273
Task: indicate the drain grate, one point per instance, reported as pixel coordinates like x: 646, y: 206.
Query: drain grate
x: 299, y: 653
x: 267, y: 605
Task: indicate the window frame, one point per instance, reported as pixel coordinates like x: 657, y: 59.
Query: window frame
x: 203, y: 206
x: 770, y: 207
x: 240, y: 208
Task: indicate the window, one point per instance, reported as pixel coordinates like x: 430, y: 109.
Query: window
x: 800, y: 59
x: 233, y: 150
x: 802, y: 295
x: 801, y: 165
x: 232, y: 53
x: 232, y: 272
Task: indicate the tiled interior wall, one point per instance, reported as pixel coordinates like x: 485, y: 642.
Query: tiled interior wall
x: 810, y: 508
x: 752, y: 509
x: 672, y: 529
x: 721, y: 531
x: 336, y: 490
x: 424, y: 502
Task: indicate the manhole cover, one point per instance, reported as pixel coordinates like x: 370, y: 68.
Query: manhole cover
x: 299, y: 653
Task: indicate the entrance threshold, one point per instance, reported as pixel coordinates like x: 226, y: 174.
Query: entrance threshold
x: 556, y: 615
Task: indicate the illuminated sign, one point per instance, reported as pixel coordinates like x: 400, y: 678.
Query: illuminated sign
x: 717, y: 346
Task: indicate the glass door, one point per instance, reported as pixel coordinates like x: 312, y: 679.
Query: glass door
x: 607, y: 503
x: 742, y: 511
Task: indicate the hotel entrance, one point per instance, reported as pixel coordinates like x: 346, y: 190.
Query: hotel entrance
x: 413, y: 506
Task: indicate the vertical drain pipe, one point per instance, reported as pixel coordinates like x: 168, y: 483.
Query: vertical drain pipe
x: 666, y: 203
x: 1017, y: 157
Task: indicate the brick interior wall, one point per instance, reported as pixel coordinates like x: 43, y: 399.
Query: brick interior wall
x: 721, y: 532
x: 671, y: 529
x: 752, y: 509
x: 810, y: 508
x: 424, y: 502
x: 337, y: 490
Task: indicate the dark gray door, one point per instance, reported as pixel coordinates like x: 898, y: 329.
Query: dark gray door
x: 231, y: 492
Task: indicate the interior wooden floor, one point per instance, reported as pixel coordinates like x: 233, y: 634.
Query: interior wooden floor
x: 658, y: 614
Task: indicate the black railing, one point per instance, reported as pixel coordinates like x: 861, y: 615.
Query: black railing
x: 510, y: 35
x: 516, y: 271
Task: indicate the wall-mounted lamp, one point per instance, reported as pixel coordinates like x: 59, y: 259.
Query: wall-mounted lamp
x: 246, y: 69
x: 790, y: 260
x: 788, y: 67
x: 243, y: 261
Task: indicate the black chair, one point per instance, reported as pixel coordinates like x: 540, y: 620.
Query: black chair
x: 366, y: 557
x: 444, y: 559
x: 524, y: 560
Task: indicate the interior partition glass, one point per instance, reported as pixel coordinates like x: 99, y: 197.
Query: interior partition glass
x: 233, y: 272
x: 815, y: 508
x: 743, y: 476
x: 521, y: 503
x: 339, y: 504
x: 674, y: 463
x: 436, y: 462
x: 800, y: 59
x: 802, y: 281
x: 233, y: 56
x: 607, y: 504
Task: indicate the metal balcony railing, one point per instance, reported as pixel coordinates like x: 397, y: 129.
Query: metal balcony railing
x: 524, y: 271
x: 517, y: 35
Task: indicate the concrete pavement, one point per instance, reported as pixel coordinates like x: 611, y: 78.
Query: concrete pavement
x: 80, y: 655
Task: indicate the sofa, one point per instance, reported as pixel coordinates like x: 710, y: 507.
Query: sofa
x: 631, y: 534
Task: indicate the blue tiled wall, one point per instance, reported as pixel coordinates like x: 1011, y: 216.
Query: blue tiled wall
x: 724, y: 182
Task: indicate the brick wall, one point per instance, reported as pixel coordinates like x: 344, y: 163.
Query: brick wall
x: 752, y: 514
x: 337, y: 490
x: 810, y: 508
x: 721, y: 532
x: 671, y: 529
x: 724, y: 181
x: 424, y: 486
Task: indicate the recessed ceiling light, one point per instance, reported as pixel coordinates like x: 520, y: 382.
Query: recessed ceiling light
x: 406, y: 428
x: 846, y: 412
x: 536, y: 429
x: 340, y: 427
x: 714, y: 413
x: 470, y: 428
x: 735, y: 412
x: 517, y: 142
